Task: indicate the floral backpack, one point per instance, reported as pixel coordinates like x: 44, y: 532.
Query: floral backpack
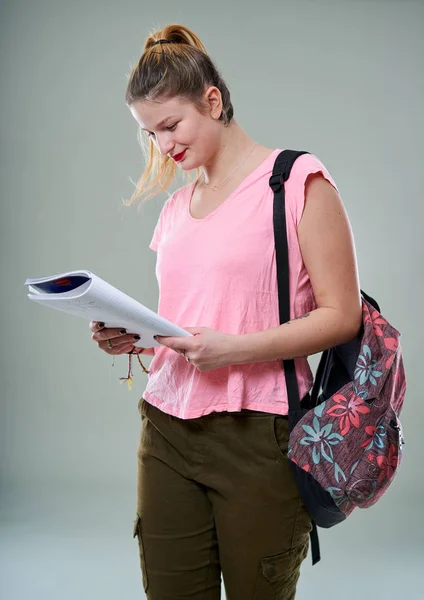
x: 345, y: 444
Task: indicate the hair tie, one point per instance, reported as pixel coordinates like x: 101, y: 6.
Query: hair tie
x: 162, y: 42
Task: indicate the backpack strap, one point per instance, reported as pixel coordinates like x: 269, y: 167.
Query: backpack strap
x: 280, y: 174
x: 315, y: 551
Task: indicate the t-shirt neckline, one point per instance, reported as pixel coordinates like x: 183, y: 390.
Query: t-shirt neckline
x: 243, y: 182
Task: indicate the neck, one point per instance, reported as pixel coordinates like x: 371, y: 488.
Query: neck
x: 233, y: 147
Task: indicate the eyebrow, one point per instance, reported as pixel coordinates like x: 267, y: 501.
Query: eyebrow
x: 159, y: 125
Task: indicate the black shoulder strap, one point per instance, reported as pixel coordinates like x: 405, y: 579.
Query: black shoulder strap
x: 280, y: 174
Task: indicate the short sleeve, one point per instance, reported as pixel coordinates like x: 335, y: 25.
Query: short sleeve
x: 160, y: 226
x: 305, y: 165
x: 157, y: 234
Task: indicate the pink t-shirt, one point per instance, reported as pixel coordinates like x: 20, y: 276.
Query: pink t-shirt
x: 220, y: 272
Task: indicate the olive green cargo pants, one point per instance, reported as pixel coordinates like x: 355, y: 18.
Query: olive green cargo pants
x: 216, y: 495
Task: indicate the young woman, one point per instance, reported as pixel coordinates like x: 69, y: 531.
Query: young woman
x: 215, y: 491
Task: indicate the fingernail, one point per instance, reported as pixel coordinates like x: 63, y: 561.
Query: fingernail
x: 122, y: 331
x: 136, y: 337
x: 101, y: 325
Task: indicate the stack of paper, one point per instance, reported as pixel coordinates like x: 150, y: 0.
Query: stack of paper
x: 83, y: 294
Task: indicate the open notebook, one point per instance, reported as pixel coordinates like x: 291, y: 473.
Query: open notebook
x: 83, y: 294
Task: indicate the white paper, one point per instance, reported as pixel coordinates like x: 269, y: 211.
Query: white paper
x: 97, y: 300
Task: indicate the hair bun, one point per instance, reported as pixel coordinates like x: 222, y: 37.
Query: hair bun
x: 174, y: 34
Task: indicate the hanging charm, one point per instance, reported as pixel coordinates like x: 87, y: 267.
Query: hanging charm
x: 141, y: 365
x: 129, y: 377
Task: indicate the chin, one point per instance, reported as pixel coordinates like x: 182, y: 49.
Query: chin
x: 189, y: 164
x: 186, y: 165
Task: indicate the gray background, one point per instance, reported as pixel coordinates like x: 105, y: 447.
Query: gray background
x: 341, y: 79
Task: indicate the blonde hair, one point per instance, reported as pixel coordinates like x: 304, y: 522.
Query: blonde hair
x: 180, y: 68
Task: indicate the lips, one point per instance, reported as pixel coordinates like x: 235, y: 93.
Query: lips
x: 178, y: 157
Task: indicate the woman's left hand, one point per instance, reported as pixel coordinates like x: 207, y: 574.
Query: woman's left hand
x: 207, y: 349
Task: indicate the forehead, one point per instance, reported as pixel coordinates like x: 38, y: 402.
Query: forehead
x: 150, y: 113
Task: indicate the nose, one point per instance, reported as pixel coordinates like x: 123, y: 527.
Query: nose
x: 165, y: 145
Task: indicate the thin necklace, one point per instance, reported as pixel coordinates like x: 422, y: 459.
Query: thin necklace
x: 216, y: 187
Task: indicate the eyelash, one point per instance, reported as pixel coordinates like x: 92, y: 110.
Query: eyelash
x: 170, y: 128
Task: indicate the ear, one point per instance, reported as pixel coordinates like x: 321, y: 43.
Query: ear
x: 213, y: 100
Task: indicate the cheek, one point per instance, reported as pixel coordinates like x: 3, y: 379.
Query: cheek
x: 190, y: 133
x: 201, y: 137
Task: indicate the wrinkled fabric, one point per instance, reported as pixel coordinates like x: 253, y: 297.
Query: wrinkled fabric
x: 220, y: 272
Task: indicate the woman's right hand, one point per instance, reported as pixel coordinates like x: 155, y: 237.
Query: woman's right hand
x: 114, y: 341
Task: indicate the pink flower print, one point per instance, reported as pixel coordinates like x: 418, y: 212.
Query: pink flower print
x: 376, y: 319
x: 376, y: 437
x: 370, y: 429
x: 306, y: 467
x: 348, y: 411
x: 387, y: 464
x: 400, y: 388
x: 391, y: 344
x: 389, y: 361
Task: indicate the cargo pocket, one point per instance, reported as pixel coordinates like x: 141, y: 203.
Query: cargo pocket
x: 139, y: 406
x: 279, y: 573
x: 137, y: 532
x: 280, y: 437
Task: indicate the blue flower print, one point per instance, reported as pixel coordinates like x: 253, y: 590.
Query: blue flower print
x: 337, y: 494
x: 365, y: 367
x: 322, y: 440
x: 363, y: 394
